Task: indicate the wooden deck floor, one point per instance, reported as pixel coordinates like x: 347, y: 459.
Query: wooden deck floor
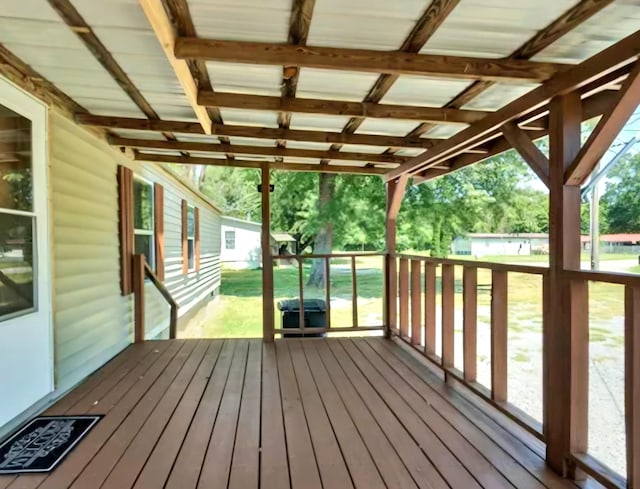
x: 308, y: 414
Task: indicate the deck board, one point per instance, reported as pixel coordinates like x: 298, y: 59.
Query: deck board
x: 300, y: 413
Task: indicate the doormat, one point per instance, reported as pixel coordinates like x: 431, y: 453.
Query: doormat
x: 43, y: 443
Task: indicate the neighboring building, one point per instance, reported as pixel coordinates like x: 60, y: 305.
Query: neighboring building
x: 241, y: 245
x: 483, y: 244
x: 69, y: 205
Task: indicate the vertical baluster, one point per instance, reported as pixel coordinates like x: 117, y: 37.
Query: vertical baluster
x: 579, y: 395
x: 137, y: 267
x: 632, y: 383
x: 404, y: 297
x: 416, y: 305
x: 430, y: 308
x: 470, y: 312
x: 300, y: 288
x: 499, y: 348
x: 354, y: 293
x: 327, y: 290
x: 391, y: 292
x: 546, y: 332
x: 448, y: 315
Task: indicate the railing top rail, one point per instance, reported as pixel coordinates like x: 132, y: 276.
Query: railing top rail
x: 329, y: 255
x: 607, y: 277
x: 159, y: 285
x: 502, y: 267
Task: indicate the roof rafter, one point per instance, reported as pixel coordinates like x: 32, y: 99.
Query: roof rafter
x: 522, y: 143
x: 157, y: 17
x: 115, y: 122
x: 255, y: 150
x: 575, y: 78
x: 390, y: 62
x: 303, y: 167
x: 333, y: 107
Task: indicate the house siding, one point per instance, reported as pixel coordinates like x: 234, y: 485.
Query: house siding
x: 92, y: 320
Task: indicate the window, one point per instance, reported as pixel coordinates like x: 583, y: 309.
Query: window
x: 230, y: 240
x: 17, y: 217
x: 190, y: 238
x: 143, y: 220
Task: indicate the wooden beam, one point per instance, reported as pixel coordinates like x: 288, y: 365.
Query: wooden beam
x: 396, y: 195
x: 336, y: 107
x: 571, y: 79
x: 274, y: 165
x: 267, y: 260
x: 431, y: 19
x: 369, y: 61
x: 255, y: 150
x: 299, y: 24
x: 564, y: 253
x: 607, y: 129
x: 154, y: 10
x: 182, y: 127
x: 530, y: 153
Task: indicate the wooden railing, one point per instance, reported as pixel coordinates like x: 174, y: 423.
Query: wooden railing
x: 412, y: 282
x: 326, y: 259
x: 141, y: 270
x: 415, y: 314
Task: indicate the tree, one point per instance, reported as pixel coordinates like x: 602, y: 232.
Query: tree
x: 621, y: 199
x: 323, y: 242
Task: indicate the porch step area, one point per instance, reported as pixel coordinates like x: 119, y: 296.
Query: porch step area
x: 300, y: 413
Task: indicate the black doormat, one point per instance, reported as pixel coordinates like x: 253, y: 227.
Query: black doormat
x: 43, y: 443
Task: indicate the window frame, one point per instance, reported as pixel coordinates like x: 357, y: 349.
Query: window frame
x: 227, y: 233
x: 191, y: 260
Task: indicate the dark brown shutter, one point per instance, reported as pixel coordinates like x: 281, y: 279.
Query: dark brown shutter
x: 196, y: 217
x: 158, y: 219
x: 185, y: 244
x: 125, y: 218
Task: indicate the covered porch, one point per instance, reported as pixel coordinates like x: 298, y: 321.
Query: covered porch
x: 310, y: 413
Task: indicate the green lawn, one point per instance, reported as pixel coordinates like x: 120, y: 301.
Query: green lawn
x: 239, y: 309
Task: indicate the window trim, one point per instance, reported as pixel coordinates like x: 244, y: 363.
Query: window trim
x: 151, y: 260
x: 231, y: 232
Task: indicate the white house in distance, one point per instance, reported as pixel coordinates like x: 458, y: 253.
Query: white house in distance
x: 484, y: 244
x: 73, y: 212
x: 240, y: 243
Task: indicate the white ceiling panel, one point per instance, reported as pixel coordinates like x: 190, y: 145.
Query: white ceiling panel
x: 366, y: 24
x: 293, y: 159
x: 360, y: 148
x: 498, y: 95
x: 245, y: 78
x: 252, y: 142
x: 389, y: 127
x: 250, y: 117
x: 444, y: 131
x: 333, y: 123
x: 246, y: 20
x: 493, y: 28
x: 133, y: 134
x: 308, y: 145
x: 422, y: 91
x: 334, y: 85
x: 409, y: 152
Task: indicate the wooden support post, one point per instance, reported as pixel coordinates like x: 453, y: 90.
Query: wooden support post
x: 404, y: 297
x: 416, y: 302
x: 499, y: 335
x: 448, y: 315
x: 395, y: 192
x: 564, y: 247
x: 470, y: 318
x: 354, y: 293
x: 267, y: 260
x: 137, y: 267
x: 430, y: 308
x: 632, y: 383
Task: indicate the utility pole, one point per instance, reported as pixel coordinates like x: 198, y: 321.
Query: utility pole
x: 595, y: 223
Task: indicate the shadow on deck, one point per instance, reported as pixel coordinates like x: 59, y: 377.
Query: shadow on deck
x: 337, y: 413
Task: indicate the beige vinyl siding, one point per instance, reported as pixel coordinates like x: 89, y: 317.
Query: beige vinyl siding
x: 92, y: 321
x: 188, y: 290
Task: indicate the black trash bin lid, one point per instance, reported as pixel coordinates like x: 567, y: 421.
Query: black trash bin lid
x: 310, y: 305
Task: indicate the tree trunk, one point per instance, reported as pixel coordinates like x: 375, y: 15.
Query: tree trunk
x: 324, y: 237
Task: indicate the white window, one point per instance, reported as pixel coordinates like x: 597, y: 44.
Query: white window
x: 230, y: 240
x: 191, y: 237
x: 144, y: 239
